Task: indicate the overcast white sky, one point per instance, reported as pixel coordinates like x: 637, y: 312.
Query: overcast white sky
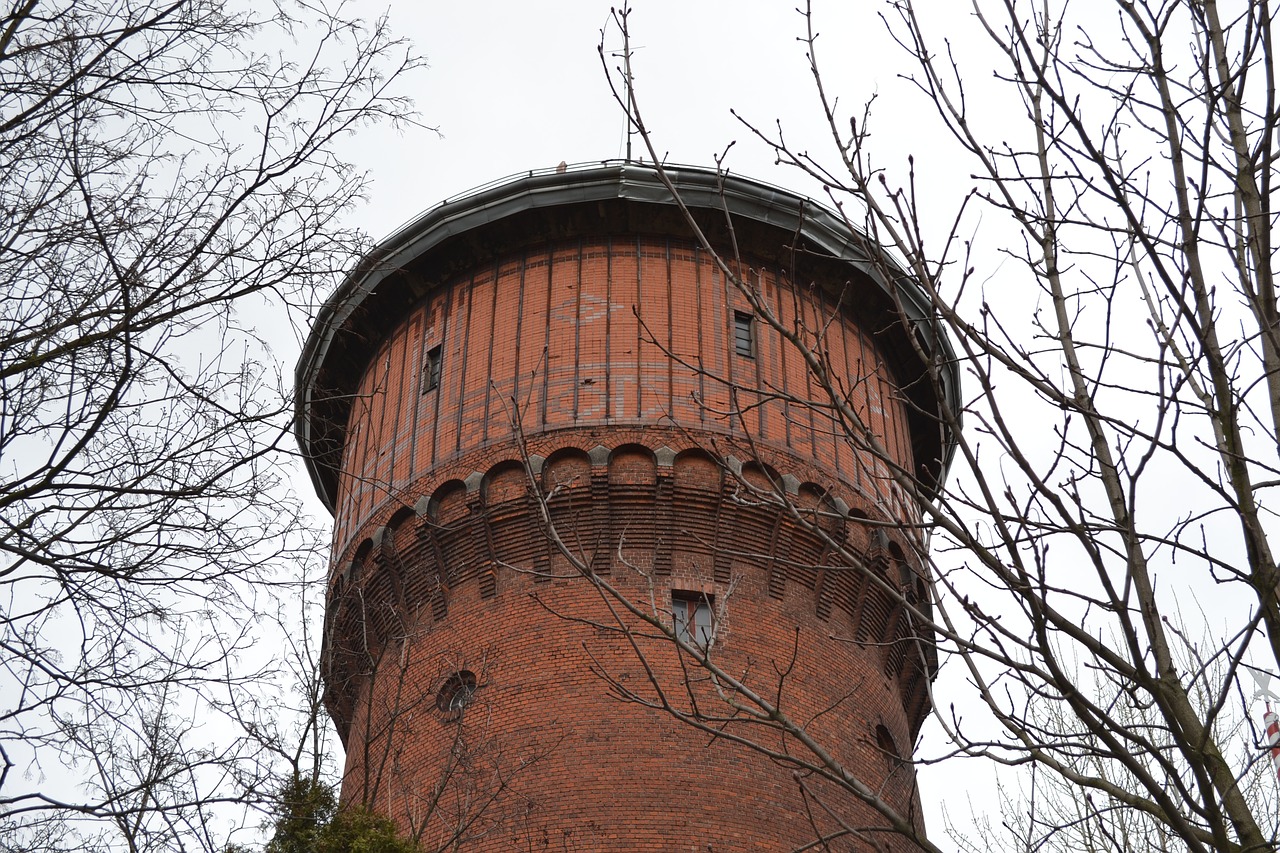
x: 518, y: 85
x: 515, y: 85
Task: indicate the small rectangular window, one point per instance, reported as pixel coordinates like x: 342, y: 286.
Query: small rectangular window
x: 691, y: 612
x: 744, y: 334
x: 431, y: 370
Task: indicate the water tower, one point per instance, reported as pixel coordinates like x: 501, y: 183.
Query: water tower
x: 559, y: 342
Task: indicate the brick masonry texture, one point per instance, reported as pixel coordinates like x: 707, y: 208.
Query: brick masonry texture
x: 636, y: 332
x: 662, y: 454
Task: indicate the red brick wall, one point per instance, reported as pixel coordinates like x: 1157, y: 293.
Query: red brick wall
x: 441, y: 564
x: 579, y: 335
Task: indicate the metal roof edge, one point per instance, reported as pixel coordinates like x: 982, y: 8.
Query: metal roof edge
x: 698, y: 188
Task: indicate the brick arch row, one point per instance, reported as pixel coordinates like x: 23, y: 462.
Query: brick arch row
x: 660, y: 510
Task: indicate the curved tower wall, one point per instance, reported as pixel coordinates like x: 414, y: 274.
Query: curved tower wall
x: 608, y: 332
x: 585, y: 348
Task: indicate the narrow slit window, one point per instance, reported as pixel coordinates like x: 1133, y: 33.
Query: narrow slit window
x: 431, y: 370
x: 691, y: 612
x: 744, y: 334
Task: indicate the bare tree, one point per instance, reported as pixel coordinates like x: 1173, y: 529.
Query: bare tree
x: 1041, y: 810
x: 1117, y: 442
x: 170, y: 191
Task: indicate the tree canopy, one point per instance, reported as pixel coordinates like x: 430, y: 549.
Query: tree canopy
x: 170, y: 193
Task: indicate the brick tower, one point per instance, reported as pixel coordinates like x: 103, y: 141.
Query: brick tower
x: 557, y: 347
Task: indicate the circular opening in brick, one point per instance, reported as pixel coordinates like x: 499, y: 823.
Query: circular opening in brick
x: 457, y: 692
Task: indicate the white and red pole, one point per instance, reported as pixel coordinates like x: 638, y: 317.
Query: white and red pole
x: 1270, y: 719
x: 1271, y: 722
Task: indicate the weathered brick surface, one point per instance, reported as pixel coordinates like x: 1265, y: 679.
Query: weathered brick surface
x: 611, y: 333
x: 442, y: 563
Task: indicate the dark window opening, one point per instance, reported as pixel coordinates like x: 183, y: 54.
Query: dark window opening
x: 900, y: 563
x: 431, y: 370
x: 457, y: 692
x: 744, y: 334
x: 691, y: 612
x: 888, y: 746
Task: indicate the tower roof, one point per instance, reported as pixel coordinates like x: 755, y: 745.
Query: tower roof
x: 770, y: 223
